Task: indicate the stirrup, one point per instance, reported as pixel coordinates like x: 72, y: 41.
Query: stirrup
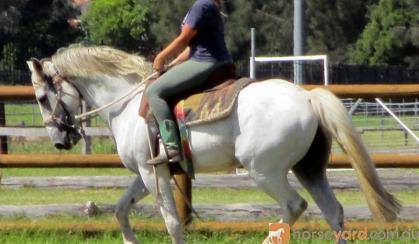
x: 166, y: 156
x: 174, y: 155
x: 160, y: 159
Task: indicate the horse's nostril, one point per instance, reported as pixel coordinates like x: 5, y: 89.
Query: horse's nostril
x: 59, y: 146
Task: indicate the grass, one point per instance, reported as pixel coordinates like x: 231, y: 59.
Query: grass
x: 27, y: 195
x: 372, y: 121
x: 104, y: 229
x: 23, y: 114
x: 13, y: 172
x: 23, y: 172
x: 19, y: 145
x: 30, y: 116
x: 385, y: 141
x: 155, y: 237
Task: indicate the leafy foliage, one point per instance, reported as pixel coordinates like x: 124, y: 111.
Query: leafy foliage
x: 9, y: 57
x: 119, y: 23
x: 166, y: 20
x: 272, y: 18
x: 33, y: 28
x: 333, y: 25
x: 391, y: 36
x: 273, y: 23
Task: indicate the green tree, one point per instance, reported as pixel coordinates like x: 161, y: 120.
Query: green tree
x: 272, y: 18
x: 166, y: 20
x: 273, y: 23
x: 33, y: 28
x: 9, y: 57
x: 119, y: 23
x: 334, y: 25
x: 391, y: 36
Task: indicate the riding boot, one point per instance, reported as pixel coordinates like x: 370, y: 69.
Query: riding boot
x: 170, y: 152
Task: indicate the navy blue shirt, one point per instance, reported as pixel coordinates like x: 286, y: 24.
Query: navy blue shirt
x: 208, y: 44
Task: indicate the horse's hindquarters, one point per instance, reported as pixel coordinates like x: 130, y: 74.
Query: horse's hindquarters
x: 275, y: 125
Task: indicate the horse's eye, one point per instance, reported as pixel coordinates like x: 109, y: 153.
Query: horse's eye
x: 43, y: 99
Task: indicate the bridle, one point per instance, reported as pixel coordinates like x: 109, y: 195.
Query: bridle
x: 55, y: 82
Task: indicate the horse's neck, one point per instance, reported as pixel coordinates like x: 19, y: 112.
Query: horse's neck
x: 100, y: 91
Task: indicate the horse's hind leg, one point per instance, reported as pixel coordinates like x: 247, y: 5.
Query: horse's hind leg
x: 271, y: 177
x: 320, y: 190
x: 277, y: 186
x: 311, y: 172
x: 135, y: 192
x: 275, y: 183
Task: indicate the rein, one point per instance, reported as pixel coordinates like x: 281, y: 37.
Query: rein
x: 138, y: 88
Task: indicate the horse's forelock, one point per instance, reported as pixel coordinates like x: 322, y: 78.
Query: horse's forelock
x: 102, y: 60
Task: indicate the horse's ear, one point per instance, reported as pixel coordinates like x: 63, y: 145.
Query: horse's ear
x: 37, y: 75
x: 35, y: 66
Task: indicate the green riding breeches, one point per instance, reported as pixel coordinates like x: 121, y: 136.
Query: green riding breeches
x: 183, y: 77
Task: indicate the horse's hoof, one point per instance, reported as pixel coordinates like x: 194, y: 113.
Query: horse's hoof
x: 131, y: 242
x: 266, y: 241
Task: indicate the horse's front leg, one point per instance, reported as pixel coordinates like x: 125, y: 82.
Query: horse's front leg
x: 135, y: 192
x: 165, y: 199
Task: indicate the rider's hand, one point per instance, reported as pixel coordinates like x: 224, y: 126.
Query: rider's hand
x: 158, y: 64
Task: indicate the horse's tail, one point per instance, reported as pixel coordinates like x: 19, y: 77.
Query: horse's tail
x: 334, y: 119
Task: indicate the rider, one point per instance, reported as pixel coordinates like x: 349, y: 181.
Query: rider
x: 204, y: 50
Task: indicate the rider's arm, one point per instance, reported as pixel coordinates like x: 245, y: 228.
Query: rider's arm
x: 177, y: 45
x: 182, y: 57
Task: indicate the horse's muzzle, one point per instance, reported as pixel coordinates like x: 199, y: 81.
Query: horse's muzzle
x: 61, y: 146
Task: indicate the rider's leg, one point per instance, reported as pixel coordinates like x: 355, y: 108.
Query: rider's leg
x: 183, y: 77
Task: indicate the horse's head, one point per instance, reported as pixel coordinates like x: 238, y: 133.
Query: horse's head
x: 59, y: 102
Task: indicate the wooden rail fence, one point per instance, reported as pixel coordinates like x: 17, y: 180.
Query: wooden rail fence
x: 22, y: 93
x: 113, y: 161
x: 25, y: 93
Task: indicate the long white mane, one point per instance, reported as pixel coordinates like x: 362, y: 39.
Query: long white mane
x: 83, y: 61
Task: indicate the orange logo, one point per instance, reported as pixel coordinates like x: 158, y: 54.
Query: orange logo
x: 279, y: 233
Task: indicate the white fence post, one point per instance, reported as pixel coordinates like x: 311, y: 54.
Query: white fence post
x: 253, y: 54
x: 398, y: 120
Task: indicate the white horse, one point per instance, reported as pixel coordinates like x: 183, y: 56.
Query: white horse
x: 275, y: 127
